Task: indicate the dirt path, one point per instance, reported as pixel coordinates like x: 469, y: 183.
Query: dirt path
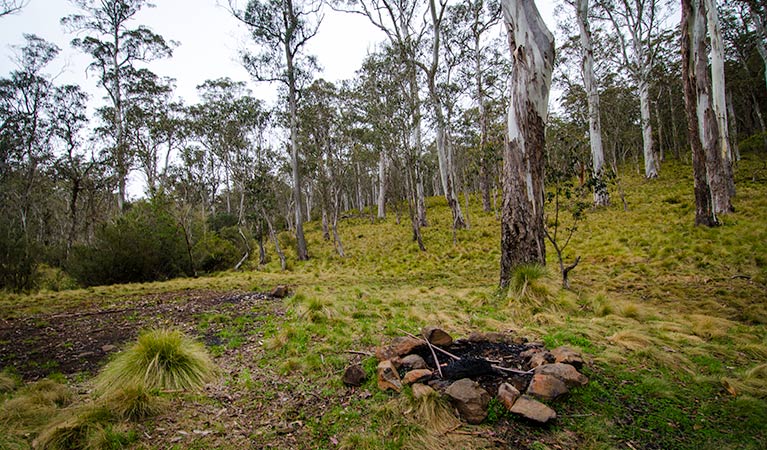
x: 80, y: 341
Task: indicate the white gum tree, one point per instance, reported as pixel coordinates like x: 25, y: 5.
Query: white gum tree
x: 532, y: 50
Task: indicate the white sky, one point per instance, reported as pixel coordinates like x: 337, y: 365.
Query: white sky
x: 210, y: 40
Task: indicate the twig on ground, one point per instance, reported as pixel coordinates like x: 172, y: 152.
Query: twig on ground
x: 359, y: 352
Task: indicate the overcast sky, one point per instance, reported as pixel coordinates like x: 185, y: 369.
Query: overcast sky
x: 209, y: 38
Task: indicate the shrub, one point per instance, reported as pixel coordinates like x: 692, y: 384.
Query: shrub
x: 212, y: 253
x: 145, y: 244
x: 18, y: 258
x: 160, y: 359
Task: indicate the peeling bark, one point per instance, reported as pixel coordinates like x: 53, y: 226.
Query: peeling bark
x: 532, y: 49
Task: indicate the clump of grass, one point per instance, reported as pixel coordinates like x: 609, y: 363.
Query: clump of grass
x: 33, y: 405
x: 7, y: 382
x: 80, y: 428
x: 433, y: 413
x: 134, y: 403
x: 160, y: 359
x: 524, y: 283
x: 754, y: 382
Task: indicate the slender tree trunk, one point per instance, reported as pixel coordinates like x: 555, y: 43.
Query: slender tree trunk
x: 601, y: 195
x: 704, y: 210
x: 733, y: 133
x: 275, y: 241
x: 382, y: 168
x: 674, y: 131
x: 532, y: 50
x: 659, y: 121
x: 325, y: 230
x: 761, y: 32
x: 120, y: 147
x: 302, y: 252
x: 334, y: 225
x: 484, y: 170
x: 650, y: 164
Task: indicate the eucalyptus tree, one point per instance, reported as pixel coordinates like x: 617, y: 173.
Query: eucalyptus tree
x: 230, y: 124
x: 532, y: 48
x: 73, y: 165
x: 445, y: 155
x: 601, y: 195
x: 470, y: 23
x: 146, y: 134
x: 25, y: 100
x: 399, y: 21
x: 702, y: 125
x: 637, y: 24
x: 384, y: 109
x: 281, y: 29
x: 115, y: 47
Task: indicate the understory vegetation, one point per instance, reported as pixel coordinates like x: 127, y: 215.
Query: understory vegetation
x: 671, y: 318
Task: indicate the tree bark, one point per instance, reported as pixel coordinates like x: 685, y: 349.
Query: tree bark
x: 650, y: 164
x: 532, y: 49
x: 601, y: 195
x: 704, y: 210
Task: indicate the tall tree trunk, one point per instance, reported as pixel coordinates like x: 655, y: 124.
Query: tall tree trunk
x: 444, y: 155
x: 415, y: 111
x: 761, y: 33
x: 484, y: 170
x: 382, y: 168
x: 302, y: 252
x: 704, y: 210
x: 120, y: 147
x: 733, y: 128
x: 650, y: 164
x: 532, y: 50
x: 719, y: 99
x: 334, y: 224
x: 601, y: 195
x: 275, y: 241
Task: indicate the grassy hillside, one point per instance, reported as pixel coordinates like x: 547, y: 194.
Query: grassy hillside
x: 671, y: 317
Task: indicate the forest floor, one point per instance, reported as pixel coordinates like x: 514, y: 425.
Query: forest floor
x: 671, y: 318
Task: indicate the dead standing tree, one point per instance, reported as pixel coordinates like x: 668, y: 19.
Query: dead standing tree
x: 532, y: 49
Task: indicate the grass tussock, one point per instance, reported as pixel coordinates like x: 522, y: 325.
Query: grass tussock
x: 79, y: 428
x: 7, y: 382
x: 160, y: 359
x: 134, y: 403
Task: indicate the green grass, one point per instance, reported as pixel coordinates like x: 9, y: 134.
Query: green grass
x: 672, y: 319
x: 160, y: 359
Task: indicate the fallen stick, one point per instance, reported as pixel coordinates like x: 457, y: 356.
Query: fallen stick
x: 508, y: 369
x: 358, y: 352
x: 437, y: 348
x: 434, y: 355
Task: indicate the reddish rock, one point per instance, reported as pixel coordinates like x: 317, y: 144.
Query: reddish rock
x: 533, y: 409
x: 470, y: 400
x: 567, y: 355
x: 416, y: 375
x: 507, y: 395
x: 388, y: 378
x: 546, y: 386
x: 565, y: 372
x: 412, y: 362
x: 399, y: 346
x: 437, y: 336
x: 496, y: 338
x: 354, y: 376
